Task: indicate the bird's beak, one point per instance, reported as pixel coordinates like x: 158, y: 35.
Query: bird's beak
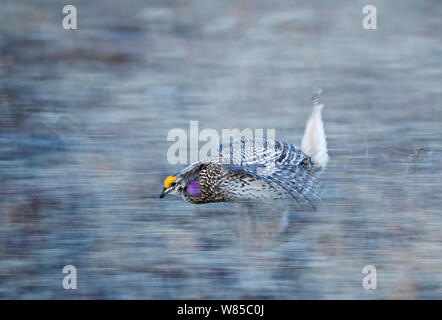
x: 162, y: 194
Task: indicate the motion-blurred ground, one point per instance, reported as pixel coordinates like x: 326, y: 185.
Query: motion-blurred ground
x: 84, y: 117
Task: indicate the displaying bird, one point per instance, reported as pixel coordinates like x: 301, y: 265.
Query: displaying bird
x: 258, y: 170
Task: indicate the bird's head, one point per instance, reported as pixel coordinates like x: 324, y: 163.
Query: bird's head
x: 178, y: 185
x: 171, y: 185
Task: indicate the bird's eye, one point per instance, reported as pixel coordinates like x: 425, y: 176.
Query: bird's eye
x: 173, y: 184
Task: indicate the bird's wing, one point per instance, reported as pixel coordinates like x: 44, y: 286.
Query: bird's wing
x: 279, y: 164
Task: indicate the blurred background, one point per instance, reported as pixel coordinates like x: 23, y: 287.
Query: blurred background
x: 84, y: 116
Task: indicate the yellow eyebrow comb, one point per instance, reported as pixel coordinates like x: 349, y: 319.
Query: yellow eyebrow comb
x: 168, y: 181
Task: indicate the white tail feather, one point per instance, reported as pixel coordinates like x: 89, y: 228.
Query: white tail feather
x: 314, y: 142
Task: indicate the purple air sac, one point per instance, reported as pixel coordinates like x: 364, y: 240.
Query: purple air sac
x: 193, y: 188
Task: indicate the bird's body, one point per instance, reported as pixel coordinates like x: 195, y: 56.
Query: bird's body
x: 252, y: 170
x: 281, y: 173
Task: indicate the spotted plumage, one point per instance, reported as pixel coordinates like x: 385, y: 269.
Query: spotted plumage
x: 251, y: 170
